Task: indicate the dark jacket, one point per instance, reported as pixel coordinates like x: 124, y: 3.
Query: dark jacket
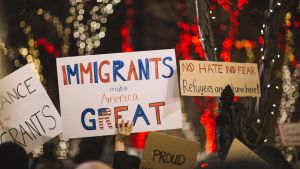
x: 124, y: 161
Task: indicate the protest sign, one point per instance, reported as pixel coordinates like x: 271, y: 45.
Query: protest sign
x: 238, y: 151
x: 164, y: 151
x: 27, y: 115
x: 96, y: 92
x: 290, y: 134
x: 206, y: 78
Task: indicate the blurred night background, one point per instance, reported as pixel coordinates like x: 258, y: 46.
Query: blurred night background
x: 265, y: 32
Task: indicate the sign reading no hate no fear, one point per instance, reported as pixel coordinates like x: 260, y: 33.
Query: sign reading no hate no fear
x: 206, y: 78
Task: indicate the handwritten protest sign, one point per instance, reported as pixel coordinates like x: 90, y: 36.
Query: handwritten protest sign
x: 238, y: 151
x: 96, y: 92
x: 205, y: 78
x: 163, y: 151
x: 290, y: 134
x: 27, y: 115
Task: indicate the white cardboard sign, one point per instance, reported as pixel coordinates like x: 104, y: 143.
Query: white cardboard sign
x: 206, y: 78
x: 290, y: 134
x: 97, y: 91
x: 27, y: 115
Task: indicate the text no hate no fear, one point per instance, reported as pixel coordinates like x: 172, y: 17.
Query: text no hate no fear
x: 215, y: 68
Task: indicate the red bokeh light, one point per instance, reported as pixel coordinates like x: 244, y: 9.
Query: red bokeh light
x: 48, y: 46
x: 208, y: 120
x: 139, y: 139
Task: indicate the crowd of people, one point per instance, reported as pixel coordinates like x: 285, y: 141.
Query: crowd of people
x: 13, y: 156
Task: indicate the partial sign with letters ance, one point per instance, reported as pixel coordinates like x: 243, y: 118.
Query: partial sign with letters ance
x: 97, y: 92
x: 206, y: 78
x: 27, y: 115
x: 164, y: 151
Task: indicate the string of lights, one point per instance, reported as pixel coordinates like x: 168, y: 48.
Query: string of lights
x: 249, y: 46
x: 29, y: 53
x: 63, y: 30
x: 290, y: 94
x: 87, y: 24
x: 290, y: 85
x: 89, y: 34
x: 233, y: 30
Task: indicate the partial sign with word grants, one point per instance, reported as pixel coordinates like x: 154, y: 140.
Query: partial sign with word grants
x: 290, y: 134
x: 164, y: 151
x: 97, y: 92
x: 206, y: 78
x: 27, y: 115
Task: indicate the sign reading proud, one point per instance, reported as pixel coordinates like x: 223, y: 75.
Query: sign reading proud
x: 27, y: 115
x: 205, y: 78
x: 163, y: 151
x: 97, y: 92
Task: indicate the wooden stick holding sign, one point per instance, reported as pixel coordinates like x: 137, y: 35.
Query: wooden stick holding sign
x: 27, y: 115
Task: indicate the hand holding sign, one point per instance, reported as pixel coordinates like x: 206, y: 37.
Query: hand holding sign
x: 124, y: 131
